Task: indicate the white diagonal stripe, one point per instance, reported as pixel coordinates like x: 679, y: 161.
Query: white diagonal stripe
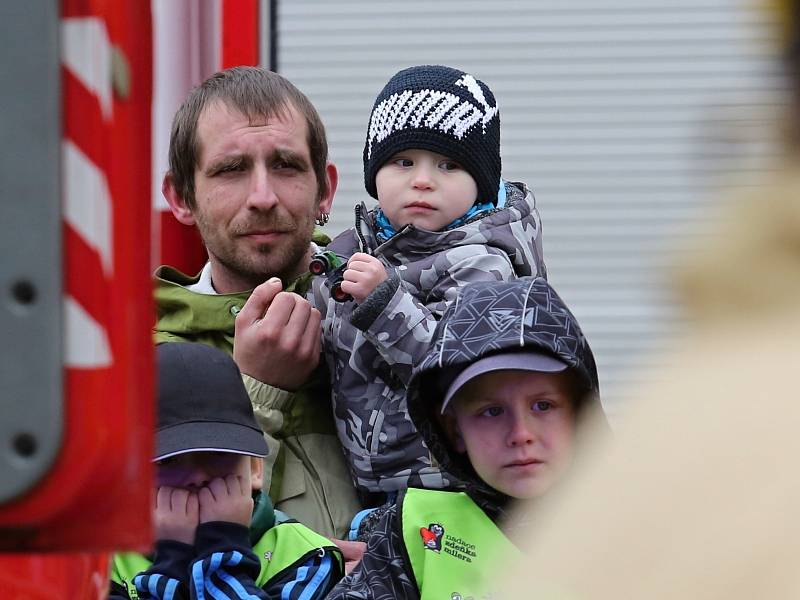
x: 86, y: 51
x: 85, y: 340
x: 431, y: 109
x: 87, y: 202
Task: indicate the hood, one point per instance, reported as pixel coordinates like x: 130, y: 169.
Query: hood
x: 488, y: 318
x: 516, y: 229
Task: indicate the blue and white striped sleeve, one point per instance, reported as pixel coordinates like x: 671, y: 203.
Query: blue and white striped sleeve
x: 312, y: 580
x: 225, y: 567
x: 155, y: 586
x: 166, y: 577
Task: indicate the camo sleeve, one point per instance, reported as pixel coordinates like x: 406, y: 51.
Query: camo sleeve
x: 404, y: 328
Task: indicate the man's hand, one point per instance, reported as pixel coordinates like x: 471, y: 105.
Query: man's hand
x: 363, y: 274
x: 351, y: 552
x: 226, y: 499
x: 176, y: 514
x: 277, y: 337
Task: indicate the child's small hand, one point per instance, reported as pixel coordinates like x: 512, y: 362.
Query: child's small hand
x: 363, y: 274
x: 226, y: 499
x: 176, y: 514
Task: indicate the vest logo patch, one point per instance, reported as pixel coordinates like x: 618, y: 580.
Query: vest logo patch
x: 432, y: 536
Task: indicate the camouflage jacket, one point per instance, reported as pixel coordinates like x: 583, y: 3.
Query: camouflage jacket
x: 372, y: 348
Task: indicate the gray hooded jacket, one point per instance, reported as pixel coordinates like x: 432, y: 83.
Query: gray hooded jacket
x: 525, y: 314
x: 372, y: 348
x: 486, y: 318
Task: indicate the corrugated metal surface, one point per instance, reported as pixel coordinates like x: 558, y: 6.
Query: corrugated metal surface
x: 624, y: 116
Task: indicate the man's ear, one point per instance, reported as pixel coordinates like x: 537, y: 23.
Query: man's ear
x: 176, y: 202
x: 256, y: 473
x: 332, y: 176
x: 451, y: 431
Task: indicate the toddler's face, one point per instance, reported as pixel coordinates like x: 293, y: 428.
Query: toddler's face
x: 194, y: 470
x: 426, y: 189
x: 516, y: 427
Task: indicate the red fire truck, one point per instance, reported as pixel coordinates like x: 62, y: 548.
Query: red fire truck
x: 85, y: 82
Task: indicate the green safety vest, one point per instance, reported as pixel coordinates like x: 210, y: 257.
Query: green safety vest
x: 282, y: 547
x: 454, y: 548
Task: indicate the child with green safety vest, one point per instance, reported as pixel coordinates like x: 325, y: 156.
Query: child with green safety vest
x: 217, y: 534
x: 497, y: 400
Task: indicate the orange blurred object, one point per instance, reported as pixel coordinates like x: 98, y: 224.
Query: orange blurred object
x: 58, y: 536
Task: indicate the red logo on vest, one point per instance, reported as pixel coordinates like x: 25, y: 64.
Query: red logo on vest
x: 432, y: 536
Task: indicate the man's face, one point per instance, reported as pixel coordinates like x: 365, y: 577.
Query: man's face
x: 517, y: 429
x: 255, y: 196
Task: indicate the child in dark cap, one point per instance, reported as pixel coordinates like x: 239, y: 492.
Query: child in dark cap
x: 445, y: 218
x: 498, y: 400
x: 217, y: 535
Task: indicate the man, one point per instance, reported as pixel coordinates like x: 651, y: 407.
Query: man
x: 248, y: 166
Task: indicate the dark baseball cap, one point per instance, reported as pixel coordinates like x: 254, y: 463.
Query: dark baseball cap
x: 514, y: 361
x: 203, y: 404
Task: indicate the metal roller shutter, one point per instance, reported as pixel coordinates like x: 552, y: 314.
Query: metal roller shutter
x: 624, y: 116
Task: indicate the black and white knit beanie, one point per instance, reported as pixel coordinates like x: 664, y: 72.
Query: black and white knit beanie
x: 441, y: 109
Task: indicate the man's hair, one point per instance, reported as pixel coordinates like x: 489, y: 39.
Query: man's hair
x: 258, y: 94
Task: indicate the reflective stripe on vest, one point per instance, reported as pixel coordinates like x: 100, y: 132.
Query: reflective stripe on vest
x: 282, y: 547
x: 454, y: 548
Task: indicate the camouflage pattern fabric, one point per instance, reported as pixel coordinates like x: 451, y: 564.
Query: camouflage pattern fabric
x: 371, y: 358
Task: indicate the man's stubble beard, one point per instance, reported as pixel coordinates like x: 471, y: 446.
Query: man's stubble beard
x: 286, y: 260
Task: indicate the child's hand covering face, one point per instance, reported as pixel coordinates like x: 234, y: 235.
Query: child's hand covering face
x: 194, y: 470
x: 226, y: 499
x: 176, y: 514
x: 198, y: 487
